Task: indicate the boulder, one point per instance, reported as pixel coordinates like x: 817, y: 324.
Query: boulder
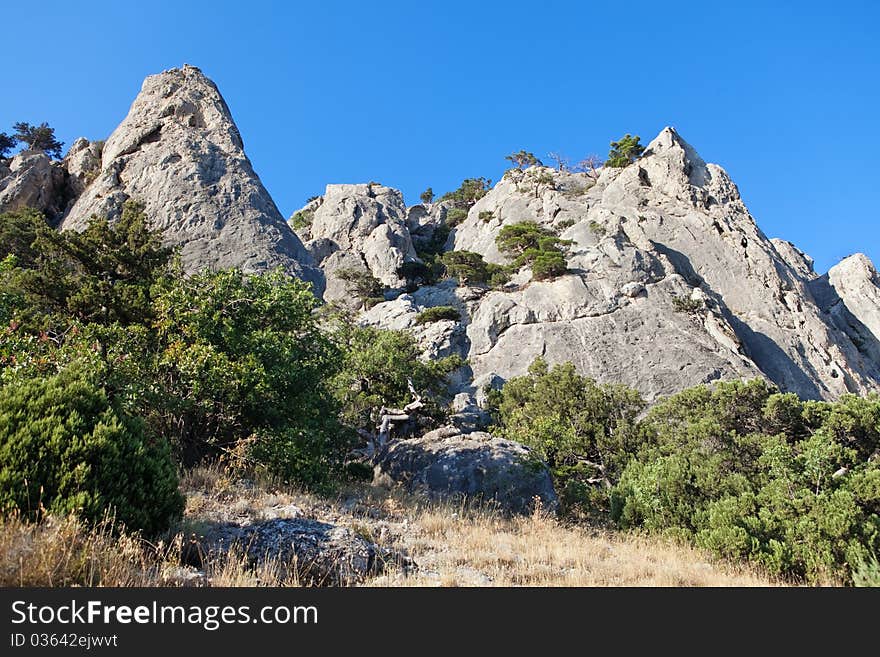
x: 321, y: 553
x: 446, y: 464
x: 33, y: 180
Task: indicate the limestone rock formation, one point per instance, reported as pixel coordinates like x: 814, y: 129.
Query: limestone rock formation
x: 180, y: 154
x: 356, y: 227
x: 670, y: 284
x: 83, y: 164
x: 447, y: 464
x: 323, y: 554
x: 32, y: 180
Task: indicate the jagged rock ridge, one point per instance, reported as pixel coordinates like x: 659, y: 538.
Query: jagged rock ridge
x: 670, y: 284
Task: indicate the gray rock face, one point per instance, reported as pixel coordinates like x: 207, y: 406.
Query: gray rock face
x: 33, y: 180
x: 670, y: 284
x: 180, y: 154
x: 83, y: 164
x: 359, y: 227
x: 321, y: 553
x: 446, y: 464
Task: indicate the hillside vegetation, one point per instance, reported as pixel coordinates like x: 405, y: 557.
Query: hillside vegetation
x: 117, y: 372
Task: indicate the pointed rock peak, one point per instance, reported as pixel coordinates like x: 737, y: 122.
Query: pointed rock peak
x: 179, y: 153
x: 670, y: 143
x: 179, y: 98
x: 856, y: 266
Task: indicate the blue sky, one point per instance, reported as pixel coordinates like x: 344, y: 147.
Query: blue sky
x: 782, y: 94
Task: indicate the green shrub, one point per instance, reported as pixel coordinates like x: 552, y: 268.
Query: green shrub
x: 65, y: 448
x: 564, y: 224
x: 470, y: 191
x: 534, y: 245
x: 302, y: 219
x: 587, y: 433
x: 683, y: 304
x: 752, y: 474
x: 624, y: 152
x: 596, y: 228
x: 486, y: 216
x: 361, y: 283
x: 470, y: 269
x: 438, y: 313
x: 455, y: 216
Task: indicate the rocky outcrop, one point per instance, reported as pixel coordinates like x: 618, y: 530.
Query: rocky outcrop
x: 321, y: 554
x: 83, y: 164
x: 670, y: 284
x: 180, y: 154
x: 32, y: 180
x: 446, y: 464
x: 356, y: 227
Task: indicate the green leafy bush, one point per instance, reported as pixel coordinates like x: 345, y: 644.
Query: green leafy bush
x: 376, y: 370
x: 486, y: 216
x: 470, y: 269
x: 65, y: 448
x: 683, y: 304
x: 360, y: 283
x: 752, y: 474
x: 455, y: 216
x: 302, y: 219
x: 624, y: 152
x: 470, y: 191
x: 537, y: 246
x: 438, y: 313
x: 587, y: 433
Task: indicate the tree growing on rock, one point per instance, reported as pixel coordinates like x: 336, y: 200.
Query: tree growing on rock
x: 534, y: 245
x: 589, y: 165
x: 427, y: 196
x: 470, y: 191
x: 562, y: 162
x: 625, y: 151
x: 523, y: 159
x: 38, y: 138
x: 7, y: 143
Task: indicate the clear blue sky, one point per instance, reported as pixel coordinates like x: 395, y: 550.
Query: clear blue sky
x: 783, y: 94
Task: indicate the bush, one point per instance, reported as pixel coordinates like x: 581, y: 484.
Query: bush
x: 596, y: 228
x: 302, y: 219
x: 455, y: 216
x: 470, y: 191
x: 470, y: 269
x: 362, y: 284
x: 427, y: 196
x: 438, y: 313
x: 683, y: 304
x: 377, y: 368
x: 587, y: 433
x: 534, y: 245
x: 486, y: 216
x: 752, y: 474
x: 65, y: 448
x: 624, y: 152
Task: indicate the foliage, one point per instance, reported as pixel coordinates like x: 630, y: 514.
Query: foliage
x: 523, y: 159
x: 684, y: 304
x: 415, y: 272
x: 7, y: 143
x: 486, y: 216
x: 65, y: 448
x: 753, y: 474
x: 38, y: 138
x: 427, y: 196
x: 302, y: 219
x: 470, y: 191
x: 438, y: 313
x: 596, y: 228
x: 360, y: 283
x: 625, y: 151
x: 455, y: 216
x: 534, y: 245
x: 470, y: 269
x: 430, y: 253
x: 101, y: 275
x: 587, y: 433
x: 376, y: 370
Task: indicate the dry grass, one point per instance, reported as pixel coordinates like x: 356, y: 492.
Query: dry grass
x: 451, y: 545
x: 480, y: 549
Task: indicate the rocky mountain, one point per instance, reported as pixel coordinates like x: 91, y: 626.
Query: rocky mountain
x: 670, y: 284
x: 179, y: 153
